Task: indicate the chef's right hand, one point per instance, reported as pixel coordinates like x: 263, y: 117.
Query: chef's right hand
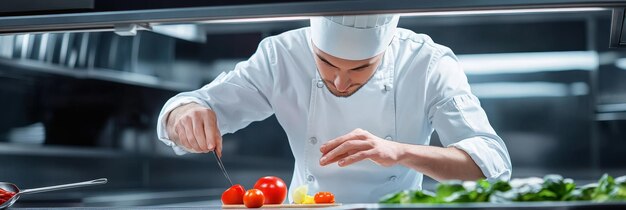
x: 195, y: 128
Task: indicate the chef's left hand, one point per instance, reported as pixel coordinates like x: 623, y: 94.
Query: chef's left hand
x: 359, y: 145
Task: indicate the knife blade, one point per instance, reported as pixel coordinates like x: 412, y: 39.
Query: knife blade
x: 219, y: 162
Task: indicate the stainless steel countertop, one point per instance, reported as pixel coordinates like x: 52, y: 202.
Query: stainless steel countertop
x: 521, y: 205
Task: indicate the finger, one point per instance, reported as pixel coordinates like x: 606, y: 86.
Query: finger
x: 216, y: 139
x: 173, y: 134
x: 338, y: 158
x: 210, y: 138
x: 198, y: 131
x: 209, y: 131
x: 218, y: 143
x: 217, y: 135
x: 190, y: 137
x: 330, y: 145
x: 185, y: 139
x: 347, y: 148
x: 182, y: 137
x: 356, y: 157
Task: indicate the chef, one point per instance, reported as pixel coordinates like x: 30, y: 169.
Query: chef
x: 359, y: 99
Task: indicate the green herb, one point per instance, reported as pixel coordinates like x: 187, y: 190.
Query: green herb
x: 551, y: 188
x: 406, y: 196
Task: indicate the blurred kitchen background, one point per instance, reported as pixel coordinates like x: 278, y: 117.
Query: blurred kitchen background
x: 83, y: 105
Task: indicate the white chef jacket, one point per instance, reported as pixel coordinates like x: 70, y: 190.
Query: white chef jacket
x: 424, y: 89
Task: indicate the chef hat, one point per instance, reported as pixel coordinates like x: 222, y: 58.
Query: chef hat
x: 355, y: 37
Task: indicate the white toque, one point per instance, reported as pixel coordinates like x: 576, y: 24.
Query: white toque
x: 355, y: 37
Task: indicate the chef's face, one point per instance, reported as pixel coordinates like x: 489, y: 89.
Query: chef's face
x: 344, y: 77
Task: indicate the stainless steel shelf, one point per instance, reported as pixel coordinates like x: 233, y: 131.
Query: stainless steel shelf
x: 611, y: 116
x: 621, y: 107
x: 611, y: 112
x: 59, y: 151
x: 122, y: 77
x: 90, y: 21
x: 29, y: 6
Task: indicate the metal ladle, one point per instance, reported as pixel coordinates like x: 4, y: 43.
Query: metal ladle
x: 13, y: 188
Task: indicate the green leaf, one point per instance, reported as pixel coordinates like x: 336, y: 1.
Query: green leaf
x: 422, y: 196
x: 582, y: 194
x: 575, y: 195
x: 558, y: 186
x: 445, y: 189
x: 551, y: 188
x: 620, y: 181
x: 531, y: 192
x: 542, y: 195
x: 480, y: 192
x: 504, y: 196
x: 552, y: 178
x: 461, y: 197
x: 619, y: 192
x: 395, y: 198
x: 606, y: 184
x: 501, y: 186
x: 482, y: 184
x: 546, y: 195
x: 587, y: 190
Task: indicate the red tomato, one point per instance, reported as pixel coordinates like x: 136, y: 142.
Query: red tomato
x: 274, y: 189
x: 233, y: 195
x: 324, y: 197
x: 253, y: 198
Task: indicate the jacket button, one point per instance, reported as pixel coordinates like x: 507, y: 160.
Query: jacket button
x: 389, y: 138
x: 387, y: 87
x: 320, y: 84
x: 313, y: 140
x: 310, y: 178
x: 393, y: 178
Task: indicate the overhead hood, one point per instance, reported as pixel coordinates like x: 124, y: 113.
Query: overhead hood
x: 127, y: 17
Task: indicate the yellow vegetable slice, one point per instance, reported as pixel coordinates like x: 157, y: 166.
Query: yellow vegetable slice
x: 309, y: 200
x: 299, y: 194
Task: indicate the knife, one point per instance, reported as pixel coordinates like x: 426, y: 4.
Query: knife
x: 219, y: 162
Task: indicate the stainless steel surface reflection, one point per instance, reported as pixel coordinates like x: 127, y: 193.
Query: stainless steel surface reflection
x: 134, y: 198
x: 13, y: 188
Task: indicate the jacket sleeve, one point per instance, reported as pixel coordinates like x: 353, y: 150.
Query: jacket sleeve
x: 455, y: 113
x: 238, y: 97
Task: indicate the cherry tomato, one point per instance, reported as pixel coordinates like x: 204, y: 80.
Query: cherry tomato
x: 324, y: 197
x: 253, y: 198
x: 233, y: 195
x: 274, y: 189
